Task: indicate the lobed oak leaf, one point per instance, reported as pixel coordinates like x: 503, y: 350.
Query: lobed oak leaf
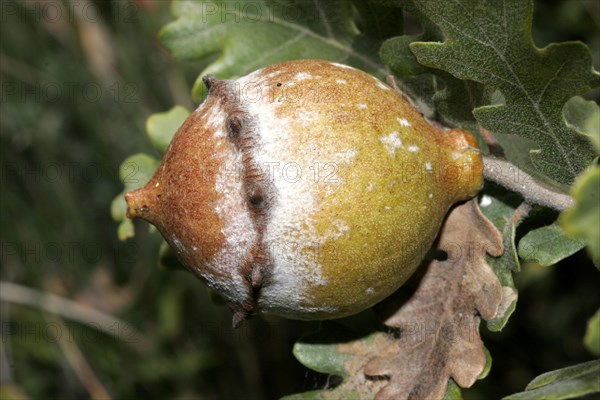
x: 338, y: 352
x: 438, y: 324
x: 490, y: 42
x: 235, y: 38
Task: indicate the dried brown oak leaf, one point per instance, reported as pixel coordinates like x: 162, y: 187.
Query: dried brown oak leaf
x: 439, y: 324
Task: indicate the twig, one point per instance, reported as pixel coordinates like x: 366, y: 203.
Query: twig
x: 80, y: 365
x: 509, y: 176
x: 520, y: 214
x: 83, y: 314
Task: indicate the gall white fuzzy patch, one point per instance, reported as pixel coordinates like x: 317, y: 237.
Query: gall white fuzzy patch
x: 391, y: 142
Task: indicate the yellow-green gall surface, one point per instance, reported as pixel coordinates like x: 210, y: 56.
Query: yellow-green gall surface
x: 308, y: 189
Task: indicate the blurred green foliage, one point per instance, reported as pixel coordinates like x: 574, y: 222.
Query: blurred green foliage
x: 77, y: 88
x: 76, y: 92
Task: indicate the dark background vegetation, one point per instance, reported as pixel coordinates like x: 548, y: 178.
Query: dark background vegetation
x: 76, y: 91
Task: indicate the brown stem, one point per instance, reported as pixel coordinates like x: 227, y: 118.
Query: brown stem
x: 509, y: 176
x: 518, y: 216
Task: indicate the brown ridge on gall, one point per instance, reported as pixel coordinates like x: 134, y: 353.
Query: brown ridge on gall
x: 178, y: 197
x: 258, y: 194
x: 170, y: 199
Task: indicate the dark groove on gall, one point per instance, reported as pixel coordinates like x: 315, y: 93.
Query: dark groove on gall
x: 241, y: 132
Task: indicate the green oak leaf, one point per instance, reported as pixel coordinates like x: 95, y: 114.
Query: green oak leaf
x: 548, y: 245
x: 134, y: 172
x: 499, y: 207
x: 584, y: 116
x: 137, y: 170
x: 566, y: 383
x: 321, y: 352
x: 453, y: 99
x: 334, y: 350
x: 395, y: 52
x: 161, y: 127
x: 453, y: 391
x: 125, y: 230
x: 592, y: 334
x: 581, y: 221
x: 490, y: 42
x: 118, y: 207
x: 245, y: 35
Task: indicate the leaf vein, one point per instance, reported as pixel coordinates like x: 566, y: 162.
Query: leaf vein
x: 549, y: 128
